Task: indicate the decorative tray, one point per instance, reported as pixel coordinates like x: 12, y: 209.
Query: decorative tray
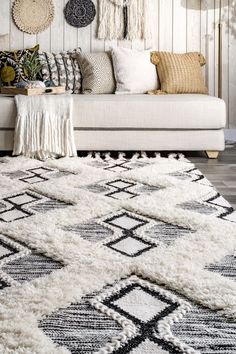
x: 11, y: 90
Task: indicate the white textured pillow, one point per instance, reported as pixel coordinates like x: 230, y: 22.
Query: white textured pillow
x: 134, y: 72
x: 4, y: 42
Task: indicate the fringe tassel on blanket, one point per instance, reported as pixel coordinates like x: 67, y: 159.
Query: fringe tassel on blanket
x: 44, y: 127
x: 125, y: 19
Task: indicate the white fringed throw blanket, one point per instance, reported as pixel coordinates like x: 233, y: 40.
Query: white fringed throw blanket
x: 44, y: 127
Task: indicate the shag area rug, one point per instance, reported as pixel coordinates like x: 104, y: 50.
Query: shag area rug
x: 99, y: 255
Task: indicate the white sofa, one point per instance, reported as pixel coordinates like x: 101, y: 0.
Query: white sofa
x: 137, y: 122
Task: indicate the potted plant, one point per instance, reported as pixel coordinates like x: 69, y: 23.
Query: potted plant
x: 32, y: 67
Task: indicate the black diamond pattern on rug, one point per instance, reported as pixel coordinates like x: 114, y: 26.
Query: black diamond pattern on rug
x: 15, y: 206
x: 144, y: 305
x: 80, y: 327
x: 120, y: 165
x: 35, y: 175
x: 129, y: 244
x: 123, y: 224
x: 25, y: 204
x: 127, y: 226
x: 120, y: 189
x: 125, y: 189
x: 226, y: 267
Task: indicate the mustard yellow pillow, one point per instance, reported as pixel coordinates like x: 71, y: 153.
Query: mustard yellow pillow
x: 180, y: 73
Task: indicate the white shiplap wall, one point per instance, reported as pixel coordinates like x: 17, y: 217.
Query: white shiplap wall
x: 179, y: 25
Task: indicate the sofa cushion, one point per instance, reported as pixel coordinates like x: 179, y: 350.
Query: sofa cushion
x: 145, y: 111
x: 97, y: 73
x: 134, y: 72
x: 137, y: 111
x: 11, y: 65
x: 180, y: 73
x: 62, y: 68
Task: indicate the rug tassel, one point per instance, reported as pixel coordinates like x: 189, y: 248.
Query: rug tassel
x: 143, y: 154
x: 121, y: 155
x: 172, y: 156
x: 182, y: 157
x: 135, y: 156
x: 97, y: 155
x: 107, y: 156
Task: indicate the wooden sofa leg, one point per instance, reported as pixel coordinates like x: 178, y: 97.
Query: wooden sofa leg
x: 212, y: 154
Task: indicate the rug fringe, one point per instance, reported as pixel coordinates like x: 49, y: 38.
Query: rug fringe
x: 144, y: 154
x: 136, y: 155
x: 121, y: 155
x: 177, y: 156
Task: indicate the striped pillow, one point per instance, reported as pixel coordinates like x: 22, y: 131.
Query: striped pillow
x: 63, y: 69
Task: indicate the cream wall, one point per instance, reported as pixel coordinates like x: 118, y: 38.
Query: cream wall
x: 180, y: 25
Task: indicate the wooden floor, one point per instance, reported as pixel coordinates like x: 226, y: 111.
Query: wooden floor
x: 221, y: 172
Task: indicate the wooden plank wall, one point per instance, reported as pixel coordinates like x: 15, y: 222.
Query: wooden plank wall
x: 179, y: 25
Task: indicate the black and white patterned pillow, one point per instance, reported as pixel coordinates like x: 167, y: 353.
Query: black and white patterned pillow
x: 63, y: 69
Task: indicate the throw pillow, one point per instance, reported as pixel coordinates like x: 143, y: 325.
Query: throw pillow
x: 11, y: 68
x: 180, y: 73
x: 134, y: 72
x: 62, y: 69
x: 97, y: 73
x: 4, y: 41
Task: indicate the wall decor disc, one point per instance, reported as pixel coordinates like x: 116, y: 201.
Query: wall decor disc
x: 79, y: 13
x: 33, y: 16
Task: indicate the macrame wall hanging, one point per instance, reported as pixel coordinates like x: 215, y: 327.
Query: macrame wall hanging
x: 79, y: 13
x: 125, y: 19
x: 33, y: 16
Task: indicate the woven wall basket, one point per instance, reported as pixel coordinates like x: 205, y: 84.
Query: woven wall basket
x: 33, y: 16
x: 79, y: 13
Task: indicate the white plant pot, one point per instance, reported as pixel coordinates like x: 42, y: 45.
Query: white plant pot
x: 35, y: 84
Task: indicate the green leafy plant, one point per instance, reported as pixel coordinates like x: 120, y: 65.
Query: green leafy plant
x: 32, y: 66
